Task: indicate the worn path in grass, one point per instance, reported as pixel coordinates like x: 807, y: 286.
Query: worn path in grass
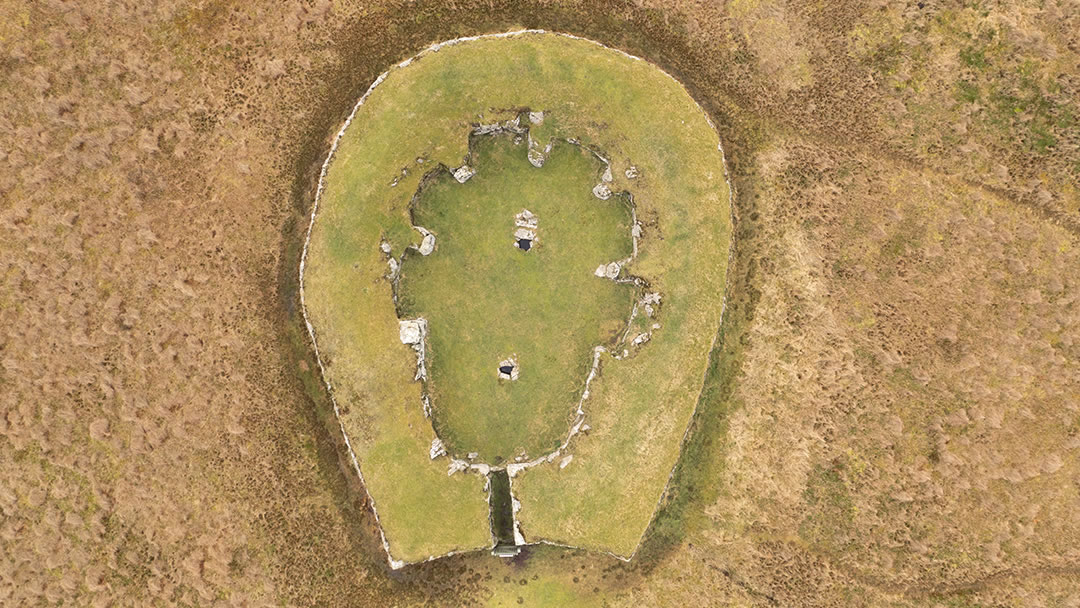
x: 485, y: 299
x: 641, y: 406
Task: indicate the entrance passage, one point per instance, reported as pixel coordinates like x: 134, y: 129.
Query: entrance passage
x: 502, y: 514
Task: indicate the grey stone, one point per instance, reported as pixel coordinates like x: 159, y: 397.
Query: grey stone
x: 411, y: 331
x: 536, y: 157
x: 427, y: 245
x: 437, y: 448
x: 463, y: 173
x: 526, y: 219
x: 611, y: 271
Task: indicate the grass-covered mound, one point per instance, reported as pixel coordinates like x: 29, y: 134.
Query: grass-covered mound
x: 640, y: 406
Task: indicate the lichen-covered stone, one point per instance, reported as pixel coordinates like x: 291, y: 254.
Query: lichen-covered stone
x: 611, y: 271
x: 427, y: 245
x: 437, y: 448
x: 463, y: 173
x: 411, y: 331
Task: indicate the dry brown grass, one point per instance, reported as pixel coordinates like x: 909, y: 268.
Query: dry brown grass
x: 902, y: 420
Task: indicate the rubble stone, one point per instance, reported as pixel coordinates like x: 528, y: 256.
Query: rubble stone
x: 411, y: 331
x: 463, y: 173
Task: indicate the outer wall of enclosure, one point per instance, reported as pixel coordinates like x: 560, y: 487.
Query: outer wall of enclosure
x: 725, y: 210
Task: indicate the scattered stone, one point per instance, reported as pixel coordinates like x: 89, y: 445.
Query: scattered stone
x: 536, y: 118
x: 487, y: 129
x: 437, y: 448
x: 513, y: 125
x: 463, y: 173
x: 611, y: 271
x: 404, y: 173
x: 536, y: 157
x: 526, y: 219
x: 473, y: 455
x: 565, y: 461
x: 585, y: 428
x: 650, y: 301
x: 427, y: 245
x: 411, y: 331
x: 632, y: 172
x: 527, y: 224
x: 640, y: 339
x: 601, y: 191
x: 456, y: 466
x: 385, y: 247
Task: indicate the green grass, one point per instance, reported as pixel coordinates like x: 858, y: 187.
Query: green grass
x: 502, y: 515
x: 485, y: 299
x: 639, y: 407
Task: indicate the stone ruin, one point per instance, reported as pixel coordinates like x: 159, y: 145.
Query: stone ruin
x: 526, y: 224
x: 411, y: 332
x: 463, y: 173
x: 427, y: 245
